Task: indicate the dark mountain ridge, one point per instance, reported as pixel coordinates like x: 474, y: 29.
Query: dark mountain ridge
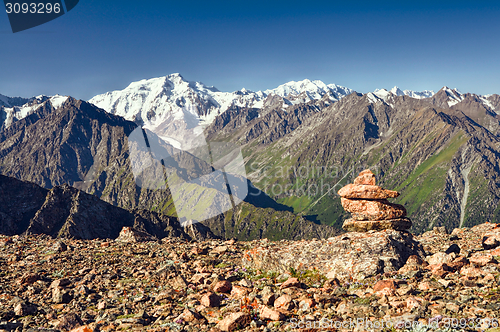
x: 66, y: 212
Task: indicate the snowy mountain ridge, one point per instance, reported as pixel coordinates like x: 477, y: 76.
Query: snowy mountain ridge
x: 383, y: 93
x: 173, y: 107
x: 9, y: 115
x: 165, y: 94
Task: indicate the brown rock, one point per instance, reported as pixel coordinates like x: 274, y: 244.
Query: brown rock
x: 199, y: 251
x: 479, y: 259
x: 210, y: 300
x: 23, y: 309
x: 60, y: 295
x: 458, y: 263
x: 495, y: 252
x: 274, y: 315
x: 360, y: 191
x: 189, y: 315
x: 365, y: 177
x: 60, y: 283
x: 325, y: 298
x: 199, y: 278
x: 237, y: 320
x: 83, y: 329
x: 223, y: 287
x: 132, y: 235
x: 68, y: 322
x: 29, y: 279
x: 178, y: 282
x: 347, y: 257
x: 268, y: 299
x: 439, y: 270
x: 415, y: 260
x: 239, y: 291
x: 491, y: 239
x: 306, y: 304
x: 381, y: 284
x: 291, y: 282
x: 413, y: 303
x: 440, y: 258
x: 284, y: 302
x: 426, y: 286
x: 59, y: 246
x: 470, y: 271
x: 220, y: 249
x: 399, y: 224
x: 101, y: 305
x: 362, y: 209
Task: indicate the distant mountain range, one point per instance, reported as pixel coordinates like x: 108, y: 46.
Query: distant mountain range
x: 440, y: 150
x: 68, y: 141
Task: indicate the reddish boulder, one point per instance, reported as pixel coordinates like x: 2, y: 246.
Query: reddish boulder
x: 359, y: 191
x: 365, y: 177
x: 362, y: 209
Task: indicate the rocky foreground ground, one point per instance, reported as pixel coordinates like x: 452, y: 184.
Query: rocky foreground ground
x: 450, y: 280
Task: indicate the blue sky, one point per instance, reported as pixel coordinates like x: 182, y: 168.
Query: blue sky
x: 104, y: 45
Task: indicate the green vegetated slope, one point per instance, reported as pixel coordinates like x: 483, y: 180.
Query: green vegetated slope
x: 444, y: 164
x: 249, y: 222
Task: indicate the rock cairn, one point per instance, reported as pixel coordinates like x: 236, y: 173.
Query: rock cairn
x: 369, y: 206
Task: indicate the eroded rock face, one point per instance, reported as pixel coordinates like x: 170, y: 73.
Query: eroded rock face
x: 354, y: 255
x: 369, y: 206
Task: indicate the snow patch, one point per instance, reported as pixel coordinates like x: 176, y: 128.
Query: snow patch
x: 487, y: 103
x: 57, y: 101
x: 372, y: 98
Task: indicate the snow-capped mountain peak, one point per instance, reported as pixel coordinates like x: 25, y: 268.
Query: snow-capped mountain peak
x: 313, y: 89
x: 164, y: 102
x: 151, y: 100
x: 454, y: 96
x: 395, y: 91
x: 16, y: 113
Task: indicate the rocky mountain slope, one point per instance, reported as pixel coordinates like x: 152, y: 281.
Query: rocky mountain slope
x: 438, y: 281
x: 442, y: 158
x: 79, y: 144
x: 66, y: 212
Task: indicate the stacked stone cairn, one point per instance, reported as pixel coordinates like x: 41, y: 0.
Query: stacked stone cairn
x: 369, y: 206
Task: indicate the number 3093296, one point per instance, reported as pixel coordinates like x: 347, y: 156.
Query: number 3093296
x: 33, y: 8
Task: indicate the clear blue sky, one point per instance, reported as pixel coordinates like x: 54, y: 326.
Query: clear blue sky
x: 103, y: 45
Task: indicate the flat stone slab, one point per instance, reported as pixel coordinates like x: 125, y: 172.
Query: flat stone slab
x: 366, y: 191
x: 399, y: 224
x: 380, y: 209
x: 350, y: 256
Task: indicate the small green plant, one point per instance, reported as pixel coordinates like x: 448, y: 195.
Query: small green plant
x: 309, y: 277
x: 58, y: 274
x: 222, y: 265
x: 125, y: 316
x: 363, y: 300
